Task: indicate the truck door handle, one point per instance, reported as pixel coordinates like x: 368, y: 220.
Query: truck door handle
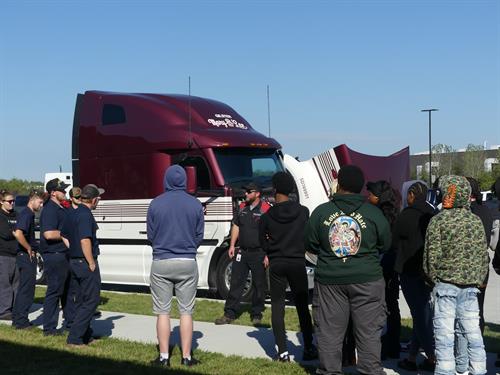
x: 143, y: 232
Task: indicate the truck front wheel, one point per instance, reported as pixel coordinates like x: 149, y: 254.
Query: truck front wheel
x: 224, y: 267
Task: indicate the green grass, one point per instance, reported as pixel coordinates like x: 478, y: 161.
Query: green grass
x: 29, y: 352
x: 205, y: 310
x: 208, y: 311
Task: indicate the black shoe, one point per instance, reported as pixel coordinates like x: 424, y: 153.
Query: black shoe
x: 407, y: 365
x: 282, y: 358
x: 223, y: 320
x: 6, y: 316
x: 189, y: 362
x: 97, y: 314
x: 161, y: 362
x: 310, y: 353
x: 427, y: 365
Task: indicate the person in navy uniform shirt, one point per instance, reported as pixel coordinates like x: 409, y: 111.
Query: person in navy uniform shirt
x: 55, y: 258
x: 79, y: 234
x: 26, y: 261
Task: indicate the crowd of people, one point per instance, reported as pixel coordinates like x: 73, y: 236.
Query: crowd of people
x: 367, y: 249
x: 69, y: 248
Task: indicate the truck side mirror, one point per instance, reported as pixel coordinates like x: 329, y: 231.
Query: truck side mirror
x: 192, y: 182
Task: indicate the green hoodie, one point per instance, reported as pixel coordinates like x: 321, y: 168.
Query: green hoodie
x: 348, y: 234
x: 455, y: 242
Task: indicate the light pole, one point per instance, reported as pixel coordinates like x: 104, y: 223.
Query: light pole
x: 430, y: 147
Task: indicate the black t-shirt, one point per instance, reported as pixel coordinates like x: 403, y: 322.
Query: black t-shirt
x: 247, y: 220
x: 80, y: 224
x: 51, y: 218
x: 26, y: 223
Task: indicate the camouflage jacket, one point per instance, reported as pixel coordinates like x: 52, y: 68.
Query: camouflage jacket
x: 455, y: 243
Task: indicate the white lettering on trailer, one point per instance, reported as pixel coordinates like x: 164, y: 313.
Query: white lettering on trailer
x: 226, y: 121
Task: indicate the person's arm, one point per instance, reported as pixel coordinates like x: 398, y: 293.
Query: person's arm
x: 264, y: 238
x: 52, y: 235
x: 235, y: 232
x: 432, y: 251
x: 65, y: 241
x: 263, y: 233
x: 18, y: 233
x: 86, y: 245
x: 150, y: 227
x: 200, y: 227
x: 312, y: 241
x: 384, y: 237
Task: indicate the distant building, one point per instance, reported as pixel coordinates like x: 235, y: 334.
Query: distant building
x: 419, y: 162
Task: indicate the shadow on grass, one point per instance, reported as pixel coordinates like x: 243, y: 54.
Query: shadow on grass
x: 23, y: 359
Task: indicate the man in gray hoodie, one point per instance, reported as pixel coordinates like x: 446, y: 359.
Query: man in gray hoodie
x: 175, y: 229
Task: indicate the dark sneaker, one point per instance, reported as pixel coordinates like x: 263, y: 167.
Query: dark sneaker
x: 407, y: 365
x: 257, y: 321
x: 189, y: 362
x: 223, y: 320
x: 161, y: 362
x: 282, y: 358
x: 427, y: 365
x: 310, y: 353
x: 6, y: 316
x: 97, y: 314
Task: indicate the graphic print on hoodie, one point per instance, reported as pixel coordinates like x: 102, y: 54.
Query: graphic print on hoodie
x: 348, y: 234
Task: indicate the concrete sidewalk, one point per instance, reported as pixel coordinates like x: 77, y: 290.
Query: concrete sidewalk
x: 231, y: 339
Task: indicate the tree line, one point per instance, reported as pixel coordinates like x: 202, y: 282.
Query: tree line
x: 20, y: 187
x: 446, y: 160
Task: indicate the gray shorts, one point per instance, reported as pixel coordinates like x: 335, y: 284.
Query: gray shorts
x: 167, y: 274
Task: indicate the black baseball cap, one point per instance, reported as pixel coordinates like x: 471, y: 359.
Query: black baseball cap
x: 56, y: 185
x: 91, y: 191
x: 252, y: 186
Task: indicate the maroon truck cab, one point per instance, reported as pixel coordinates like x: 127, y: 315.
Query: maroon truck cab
x: 124, y: 143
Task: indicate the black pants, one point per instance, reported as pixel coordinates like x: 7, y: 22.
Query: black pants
x: 391, y: 346
x: 59, y: 287
x: 88, y: 291
x: 293, y: 272
x: 332, y: 306
x: 250, y: 261
x: 26, y: 290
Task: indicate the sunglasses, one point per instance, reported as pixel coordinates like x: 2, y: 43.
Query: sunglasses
x: 250, y: 191
x: 9, y: 201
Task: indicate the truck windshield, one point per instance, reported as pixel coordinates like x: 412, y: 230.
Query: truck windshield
x: 241, y: 166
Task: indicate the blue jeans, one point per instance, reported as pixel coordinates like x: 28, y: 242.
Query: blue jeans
x: 456, y: 311
x: 418, y: 297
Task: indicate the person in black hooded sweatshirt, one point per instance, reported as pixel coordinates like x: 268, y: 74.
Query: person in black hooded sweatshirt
x: 281, y: 232
x: 408, y: 240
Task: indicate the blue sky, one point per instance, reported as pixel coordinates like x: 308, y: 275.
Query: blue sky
x: 354, y: 72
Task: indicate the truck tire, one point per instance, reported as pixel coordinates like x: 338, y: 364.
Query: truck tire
x: 224, y: 267
x: 40, y: 274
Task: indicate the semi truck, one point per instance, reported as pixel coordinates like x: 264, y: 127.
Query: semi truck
x: 124, y: 142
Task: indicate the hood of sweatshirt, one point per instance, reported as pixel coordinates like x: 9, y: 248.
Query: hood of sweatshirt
x: 422, y: 206
x: 285, y: 212
x: 456, y: 191
x: 349, y: 203
x: 175, y: 178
